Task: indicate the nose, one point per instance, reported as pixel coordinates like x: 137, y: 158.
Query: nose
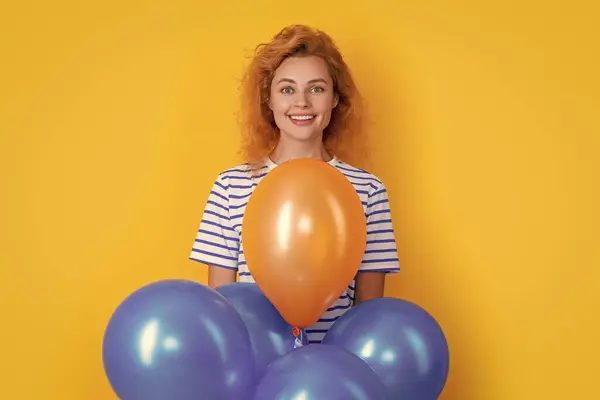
x: 302, y: 100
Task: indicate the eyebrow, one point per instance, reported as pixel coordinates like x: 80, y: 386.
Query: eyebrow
x: 293, y: 81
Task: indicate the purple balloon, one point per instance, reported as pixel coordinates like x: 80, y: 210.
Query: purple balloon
x: 177, y: 340
x: 320, y: 372
x: 400, y: 341
x: 270, y: 335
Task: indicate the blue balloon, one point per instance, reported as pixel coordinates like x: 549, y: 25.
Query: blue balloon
x: 270, y: 335
x: 320, y: 372
x: 177, y: 340
x: 400, y: 341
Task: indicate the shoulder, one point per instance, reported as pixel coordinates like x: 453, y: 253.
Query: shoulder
x: 358, y: 176
x: 239, y: 181
x: 242, y: 172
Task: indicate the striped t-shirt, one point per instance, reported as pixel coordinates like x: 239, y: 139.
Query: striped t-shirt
x: 218, y: 241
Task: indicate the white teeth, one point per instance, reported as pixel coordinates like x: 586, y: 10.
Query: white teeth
x: 302, y: 117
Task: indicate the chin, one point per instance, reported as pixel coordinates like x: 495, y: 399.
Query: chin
x: 302, y: 134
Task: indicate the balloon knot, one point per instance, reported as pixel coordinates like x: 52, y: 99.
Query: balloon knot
x: 298, y: 335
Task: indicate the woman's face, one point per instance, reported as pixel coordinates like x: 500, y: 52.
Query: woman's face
x: 302, y: 97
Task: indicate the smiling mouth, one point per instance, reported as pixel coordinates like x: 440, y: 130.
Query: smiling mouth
x: 302, y: 117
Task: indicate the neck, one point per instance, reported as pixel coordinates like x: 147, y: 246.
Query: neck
x: 289, y: 149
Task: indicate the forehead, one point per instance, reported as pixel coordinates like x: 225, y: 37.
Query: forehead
x: 302, y: 69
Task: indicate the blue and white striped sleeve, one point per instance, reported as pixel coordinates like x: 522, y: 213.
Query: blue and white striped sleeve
x: 217, y: 243
x: 381, y: 254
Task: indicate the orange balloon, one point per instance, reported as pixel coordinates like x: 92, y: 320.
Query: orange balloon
x: 304, y: 235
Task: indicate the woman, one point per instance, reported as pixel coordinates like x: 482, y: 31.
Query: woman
x: 299, y: 101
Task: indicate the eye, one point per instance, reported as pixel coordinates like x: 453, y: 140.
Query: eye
x: 287, y: 90
x: 317, y: 89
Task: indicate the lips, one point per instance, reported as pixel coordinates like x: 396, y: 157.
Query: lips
x: 302, y: 120
x: 305, y: 117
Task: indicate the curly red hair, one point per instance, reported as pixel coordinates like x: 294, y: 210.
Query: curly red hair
x: 345, y: 135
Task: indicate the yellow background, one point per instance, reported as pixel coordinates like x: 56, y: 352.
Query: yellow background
x: 115, y: 118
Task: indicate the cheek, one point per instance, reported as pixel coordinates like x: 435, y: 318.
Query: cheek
x: 279, y: 109
x: 323, y: 104
x: 324, y: 107
x: 279, y: 105
x: 326, y: 120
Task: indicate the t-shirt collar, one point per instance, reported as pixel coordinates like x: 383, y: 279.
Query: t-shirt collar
x: 270, y: 164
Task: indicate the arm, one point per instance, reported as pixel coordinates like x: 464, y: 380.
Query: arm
x: 369, y: 286
x: 218, y: 276
x: 217, y: 243
x: 381, y: 255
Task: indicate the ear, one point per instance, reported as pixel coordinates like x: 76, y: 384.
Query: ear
x: 336, y: 101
